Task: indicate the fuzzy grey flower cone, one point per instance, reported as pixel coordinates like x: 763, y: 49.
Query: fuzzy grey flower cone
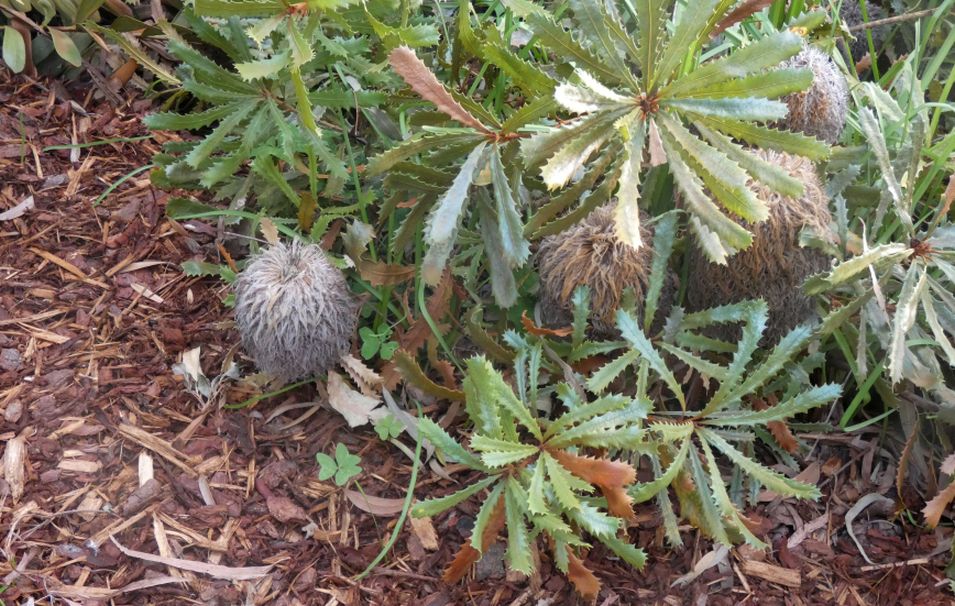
x: 294, y: 311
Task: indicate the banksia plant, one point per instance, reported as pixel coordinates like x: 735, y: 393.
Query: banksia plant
x: 539, y: 477
x: 820, y: 110
x: 591, y: 254
x: 638, y: 102
x: 775, y: 266
x: 294, y: 311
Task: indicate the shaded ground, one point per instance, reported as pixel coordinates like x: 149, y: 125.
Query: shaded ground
x: 111, y: 464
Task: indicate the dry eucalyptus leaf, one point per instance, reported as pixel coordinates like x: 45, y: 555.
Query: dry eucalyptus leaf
x: 357, y: 408
x: 424, y: 530
x: 269, y: 231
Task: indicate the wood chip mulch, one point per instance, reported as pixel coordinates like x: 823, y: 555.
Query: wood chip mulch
x: 125, y: 483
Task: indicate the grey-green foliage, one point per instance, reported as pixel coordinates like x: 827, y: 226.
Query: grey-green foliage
x: 273, y: 91
x: 639, y: 90
x: 901, y: 278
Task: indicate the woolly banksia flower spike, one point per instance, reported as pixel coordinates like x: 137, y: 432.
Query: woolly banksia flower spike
x: 591, y: 254
x: 294, y: 311
x: 820, y: 110
x: 775, y: 266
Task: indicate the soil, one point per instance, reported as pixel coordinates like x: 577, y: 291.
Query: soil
x: 127, y: 483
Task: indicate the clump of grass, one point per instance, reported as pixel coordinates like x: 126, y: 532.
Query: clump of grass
x: 775, y: 266
x: 294, y: 311
x: 820, y: 110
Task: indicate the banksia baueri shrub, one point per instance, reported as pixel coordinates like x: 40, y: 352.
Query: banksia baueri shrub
x: 774, y: 267
x: 590, y: 254
x: 851, y: 13
x: 820, y: 110
x: 294, y: 311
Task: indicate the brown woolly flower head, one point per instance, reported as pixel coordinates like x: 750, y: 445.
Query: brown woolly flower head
x: 590, y: 254
x: 294, y: 311
x: 820, y: 110
x: 774, y: 267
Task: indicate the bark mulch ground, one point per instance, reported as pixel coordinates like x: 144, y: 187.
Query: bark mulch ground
x: 126, y: 483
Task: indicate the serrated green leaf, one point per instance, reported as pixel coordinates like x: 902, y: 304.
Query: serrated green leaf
x: 757, y: 315
x: 723, y: 502
x: 536, y: 503
x: 712, y: 521
x: 784, y: 351
x: 648, y: 490
x: 717, y: 234
x: 807, y: 400
x: 906, y: 311
x: 770, y: 138
x: 595, y: 521
x: 769, y: 478
x: 447, y: 445
x: 600, y: 379
x: 651, y: 18
x: 611, y: 426
x: 593, y: 23
x: 768, y: 85
x: 436, y: 505
x: 518, y: 542
x: 586, y: 412
x: 193, y: 121
x: 563, y: 43
x: 687, y: 31
x: 627, y: 212
x: 497, y: 453
x: 631, y: 332
x: 724, y: 177
x: 878, y: 255
x: 630, y: 554
x: 765, y: 53
x: 492, y: 386
x: 775, y: 177
x: 446, y: 216
x: 561, y: 482
x: 263, y: 68
x: 209, y: 145
x: 484, y: 516
x: 511, y: 231
x: 664, y: 237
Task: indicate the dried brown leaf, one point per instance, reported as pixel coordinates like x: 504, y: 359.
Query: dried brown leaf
x: 424, y: 530
x: 404, y: 61
x: 285, y: 509
x: 245, y: 573
x: 540, y: 331
x: 15, y: 462
x: 745, y: 9
x: 356, y: 407
x: 586, y: 584
x: 412, y: 374
x: 468, y: 555
x: 934, y: 509
x: 269, y: 231
x: 619, y: 503
x: 601, y: 472
x: 379, y: 506
x: 384, y: 274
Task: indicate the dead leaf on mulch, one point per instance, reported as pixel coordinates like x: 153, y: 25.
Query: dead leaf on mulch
x: 14, y: 463
x: 284, y: 509
x: 379, y: 506
x: 423, y: 528
x: 357, y: 408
